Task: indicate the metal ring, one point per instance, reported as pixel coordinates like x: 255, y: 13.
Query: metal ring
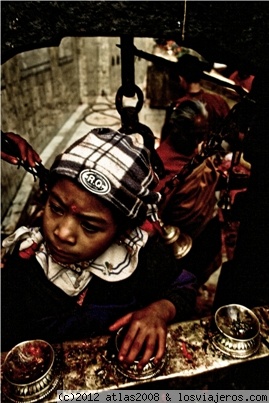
x: 120, y: 94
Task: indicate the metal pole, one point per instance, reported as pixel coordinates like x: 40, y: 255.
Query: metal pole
x: 127, y: 66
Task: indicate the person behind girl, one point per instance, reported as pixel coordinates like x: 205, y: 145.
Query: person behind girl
x: 26, y: 154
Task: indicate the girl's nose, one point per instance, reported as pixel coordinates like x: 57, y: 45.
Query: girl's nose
x: 66, y: 230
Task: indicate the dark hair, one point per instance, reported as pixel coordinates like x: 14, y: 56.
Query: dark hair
x: 191, y: 68
x: 187, y: 126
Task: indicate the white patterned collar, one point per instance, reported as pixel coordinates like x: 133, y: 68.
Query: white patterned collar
x: 117, y: 263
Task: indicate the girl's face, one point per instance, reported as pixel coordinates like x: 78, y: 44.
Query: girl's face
x: 77, y: 225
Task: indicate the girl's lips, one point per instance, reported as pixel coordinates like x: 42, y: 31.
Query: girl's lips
x: 59, y: 254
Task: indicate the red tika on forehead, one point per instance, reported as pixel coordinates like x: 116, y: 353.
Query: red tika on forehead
x: 74, y: 208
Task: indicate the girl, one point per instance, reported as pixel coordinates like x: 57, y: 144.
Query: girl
x: 90, y: 268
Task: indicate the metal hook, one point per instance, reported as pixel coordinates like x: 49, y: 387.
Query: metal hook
x: 120, y: 94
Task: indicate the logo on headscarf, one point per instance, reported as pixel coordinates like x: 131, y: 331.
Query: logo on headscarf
x: 95, y: 181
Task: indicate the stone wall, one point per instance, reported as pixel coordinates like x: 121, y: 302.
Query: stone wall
x: 41, y: 88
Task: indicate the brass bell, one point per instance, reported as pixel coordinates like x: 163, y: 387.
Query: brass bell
x: 169, y: 233
x: 182, y: 246
x: 181, y: 243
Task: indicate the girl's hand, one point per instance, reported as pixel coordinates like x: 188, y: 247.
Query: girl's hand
x: 146, y: 334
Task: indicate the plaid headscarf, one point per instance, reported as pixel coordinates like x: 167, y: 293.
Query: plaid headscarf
x: 115, y: 167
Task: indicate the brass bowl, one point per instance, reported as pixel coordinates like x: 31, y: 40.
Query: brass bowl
x: 150, y: 369
x: 28, y: 371
x: 239, y: 331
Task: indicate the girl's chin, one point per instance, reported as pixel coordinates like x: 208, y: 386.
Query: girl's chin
x: 62, y: 258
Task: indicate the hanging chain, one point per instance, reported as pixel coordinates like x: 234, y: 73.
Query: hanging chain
x: 128, y: 87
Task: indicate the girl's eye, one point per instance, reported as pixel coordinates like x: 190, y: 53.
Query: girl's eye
x: 56, y: 209
x: 89, y: 227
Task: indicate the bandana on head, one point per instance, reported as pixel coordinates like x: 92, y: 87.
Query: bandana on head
x: 115, y: 167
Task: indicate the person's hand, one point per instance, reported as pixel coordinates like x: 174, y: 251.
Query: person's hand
x: 147, y: 331
x: 27, y: 153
